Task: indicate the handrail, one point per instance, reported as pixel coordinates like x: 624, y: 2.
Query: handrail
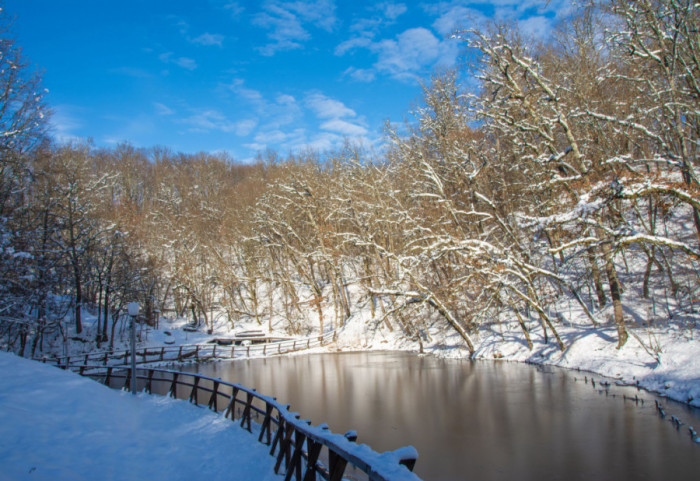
x: 305, y: 451
x: 196, y: 352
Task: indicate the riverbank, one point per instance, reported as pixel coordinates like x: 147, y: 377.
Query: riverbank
x: 664, y: 359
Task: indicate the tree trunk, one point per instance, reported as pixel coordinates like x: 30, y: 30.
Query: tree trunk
x: 595, y: 273
x: 78, y: 303
x: 615, y: 295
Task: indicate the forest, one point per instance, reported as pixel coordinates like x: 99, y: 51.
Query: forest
x: 532, y: 174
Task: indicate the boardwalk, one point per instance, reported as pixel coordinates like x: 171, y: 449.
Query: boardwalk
x: 244, y: 347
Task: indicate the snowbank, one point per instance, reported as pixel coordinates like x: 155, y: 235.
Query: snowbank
x: 57, y: 425
x: 665, y: 360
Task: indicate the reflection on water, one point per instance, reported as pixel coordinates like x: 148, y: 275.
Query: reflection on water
x: 477, y: 421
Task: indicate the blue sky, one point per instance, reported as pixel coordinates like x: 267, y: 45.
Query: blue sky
x: 244, y: 76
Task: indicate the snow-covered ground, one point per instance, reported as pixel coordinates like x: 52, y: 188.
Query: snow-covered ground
x: 55, y: 425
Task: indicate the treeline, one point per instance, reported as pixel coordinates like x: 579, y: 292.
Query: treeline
x: 542, y: 172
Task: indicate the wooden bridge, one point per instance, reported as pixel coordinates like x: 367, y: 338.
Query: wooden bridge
x: 300, y: 451
x: 238, y: 348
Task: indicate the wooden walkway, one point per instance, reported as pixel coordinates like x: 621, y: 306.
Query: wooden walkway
x: 244, y: 347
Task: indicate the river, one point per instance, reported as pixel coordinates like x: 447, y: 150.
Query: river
x: 480, y: 420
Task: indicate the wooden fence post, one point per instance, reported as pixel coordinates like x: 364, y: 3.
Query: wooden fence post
x: 231, y: 408
x: 265, y: 428
x: 214, y: 394
x: 195, y: 387
x: 173, y: 386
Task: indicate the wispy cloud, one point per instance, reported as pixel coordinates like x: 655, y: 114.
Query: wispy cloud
x: 411, y: 52
x: 234, y: 8
x: 352, y: 44
x: 536, y: 27
x: 209, y: 39
x: 65, y: 121
x: 131, y: 72
x: 456, y: 17
x: 360, y: 74
x: 534, y: 17
x: 252, y: 95
x: 328, y: 108
x: 286, y: 22
x: 366, y: 29
x: 335, y: 115
x: 205, y: 121
x: 344, y: 127
x: 392, y: 10
x: 162, y: 109
x: 181, y: 24
x: 183, y: 62
x: 406, y: 57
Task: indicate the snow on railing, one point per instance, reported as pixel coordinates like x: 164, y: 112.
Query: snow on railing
x: 303, y: 451
x: 194, y: 352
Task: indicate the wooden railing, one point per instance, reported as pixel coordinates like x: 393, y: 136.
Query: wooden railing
x: 191, y: 352
x: 301, y: 451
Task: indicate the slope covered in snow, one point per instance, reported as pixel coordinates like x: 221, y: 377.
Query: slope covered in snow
x: 56, y: 425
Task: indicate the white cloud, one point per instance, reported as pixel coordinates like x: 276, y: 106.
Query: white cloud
x: 460, y: 14
x: 284, y: 99
x: 335, y: 116
x: 64, y: 121
x: 290, y: 140
x: 271, y: 137
x: 209, y: 39
x: 131, y: 72
x: 344, y: 127
x: 183, y: 62
x: 274, y: 113
x: 456, y: 17
x: 245, y: 127
x: 252, y: 95
x: 162, y: 109
x: 286, y: 22
x: 328, y: 108
x: 208, y: 120
x: 234, y: 8
x: 360, y: 74
x: 186, y: 63
x: 352, y: 44
x: 320, y: 13
x: 535, y: 27
x: 182, y: 26
x: 323, y: 141
x: 392, y: 10
x: 413, y: 51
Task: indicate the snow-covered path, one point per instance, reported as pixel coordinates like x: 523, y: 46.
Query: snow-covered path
x: 55, y: 425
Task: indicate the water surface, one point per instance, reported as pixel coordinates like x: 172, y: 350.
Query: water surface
x: 479, y: 420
